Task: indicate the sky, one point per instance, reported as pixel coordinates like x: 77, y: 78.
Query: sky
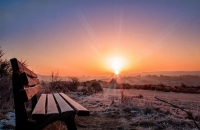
x: 98, y: 37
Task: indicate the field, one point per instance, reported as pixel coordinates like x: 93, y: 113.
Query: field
x: 134, y: 109
x: 138, y: 109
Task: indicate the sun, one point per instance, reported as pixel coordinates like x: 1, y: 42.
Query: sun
x: 116, y: 72
x: 116, y: 63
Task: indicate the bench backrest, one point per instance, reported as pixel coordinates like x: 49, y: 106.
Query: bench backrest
x: 25, y: 87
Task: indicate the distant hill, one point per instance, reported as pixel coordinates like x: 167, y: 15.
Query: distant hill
x: 66, y: 78
x: 107, y: 77
x: 169, y: 73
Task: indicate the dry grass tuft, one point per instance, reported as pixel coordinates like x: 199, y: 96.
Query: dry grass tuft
x: 6, y: 94
x: 57, y: 125
x: 81, y: 123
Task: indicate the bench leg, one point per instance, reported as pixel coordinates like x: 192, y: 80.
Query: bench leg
x: 71, y: 125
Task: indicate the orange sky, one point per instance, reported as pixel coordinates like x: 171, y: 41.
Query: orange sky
x: 79, y: 39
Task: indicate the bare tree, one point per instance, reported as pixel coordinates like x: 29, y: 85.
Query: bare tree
x: 74, y: 81
x: 54, y: 76
x: 1, y: 54
x: 5, y: 68
x: 5, y: 82
x: 24, y: 63
x: 175, y: 106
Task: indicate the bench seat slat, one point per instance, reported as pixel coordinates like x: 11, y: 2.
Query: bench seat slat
x: 19, y: 67
x: 63, y: 105
x: 51, y: 105
x: 39, y: 110
x: 28, y: 93
x: 80, y: 110
x: 26, y: 80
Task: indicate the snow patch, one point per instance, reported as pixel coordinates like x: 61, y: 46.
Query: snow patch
x: 10, y: 120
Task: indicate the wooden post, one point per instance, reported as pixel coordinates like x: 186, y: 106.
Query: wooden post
x: 20, y: 110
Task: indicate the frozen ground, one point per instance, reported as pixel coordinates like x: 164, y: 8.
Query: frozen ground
x: 138, y: 110
x: 9, y: 121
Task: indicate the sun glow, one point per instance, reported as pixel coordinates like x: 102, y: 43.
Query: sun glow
x: 116, y: 64
x: 116, y: 72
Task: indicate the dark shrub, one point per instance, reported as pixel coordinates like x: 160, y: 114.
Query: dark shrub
x: 96, y: 87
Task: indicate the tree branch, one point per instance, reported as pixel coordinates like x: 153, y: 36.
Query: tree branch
x: 188, y: 113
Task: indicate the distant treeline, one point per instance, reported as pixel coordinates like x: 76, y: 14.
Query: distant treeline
x: 183, y: 88
x: 161, y: 87
x: 152, y: 79
x: 166, y: 77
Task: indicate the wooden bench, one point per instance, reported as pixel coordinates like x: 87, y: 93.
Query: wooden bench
x: 49, y: 107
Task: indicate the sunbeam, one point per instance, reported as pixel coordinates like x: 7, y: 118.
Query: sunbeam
x: 85, y: 23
